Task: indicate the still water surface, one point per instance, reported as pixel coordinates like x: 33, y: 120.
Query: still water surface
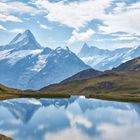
x: 75, y: 118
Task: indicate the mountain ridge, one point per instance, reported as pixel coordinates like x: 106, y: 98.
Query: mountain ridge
x: 131, y: 65
x: 103, y: 59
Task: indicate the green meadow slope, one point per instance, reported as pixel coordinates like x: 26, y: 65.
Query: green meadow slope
x: 7, y: 93
x: 123, y: 86
x: 2, y: 137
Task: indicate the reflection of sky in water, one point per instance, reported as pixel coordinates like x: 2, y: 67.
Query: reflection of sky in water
x: 66, y: 119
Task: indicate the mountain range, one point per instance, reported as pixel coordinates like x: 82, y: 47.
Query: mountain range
x: 103, y: 59
x: 25, y: 64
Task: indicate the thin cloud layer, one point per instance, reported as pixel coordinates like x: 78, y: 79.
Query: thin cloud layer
x: 74, y: 14
x: 77, y: 36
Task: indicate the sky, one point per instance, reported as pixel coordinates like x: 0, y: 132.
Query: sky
x: 107, y: 24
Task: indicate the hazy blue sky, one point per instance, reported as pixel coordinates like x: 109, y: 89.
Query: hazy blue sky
x: 104, y: 23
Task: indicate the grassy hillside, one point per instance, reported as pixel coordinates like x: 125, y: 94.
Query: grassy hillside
x: 131, y: 65
x: 2, y: 137
x: 117, y: 86
x: 6, y: 93
x: 85, y: 74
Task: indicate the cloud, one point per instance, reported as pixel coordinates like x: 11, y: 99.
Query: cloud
x: 43, y: 26
x: 2, y: 28
x: 77, y: 37
x: 73, y: 14
x: 79, y: 120
x: 124, y: 20
x: 67, y: 134
x: 122, y: 132
x: 132, y: 44
x: 16, y: 30
x: 40, y: 127
x: 8, y: 7
x: 119, y: 38
x: 12, y: 18
x: 114, y: 16
x: 23, y: 8
x: 10, y: 10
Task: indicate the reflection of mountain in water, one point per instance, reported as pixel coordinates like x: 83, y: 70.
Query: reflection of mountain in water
x: 58, y: 102
x: 24, y: 109
x: 91, y: 104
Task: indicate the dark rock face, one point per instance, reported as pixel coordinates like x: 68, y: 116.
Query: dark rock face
x: 105, y: 85
x: 98, y: 87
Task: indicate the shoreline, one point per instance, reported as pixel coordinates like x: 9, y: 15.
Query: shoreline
x: 107, y: 97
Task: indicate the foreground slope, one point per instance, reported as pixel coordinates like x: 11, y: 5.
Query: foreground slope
x: 2, y: 137
x: 6, y: 93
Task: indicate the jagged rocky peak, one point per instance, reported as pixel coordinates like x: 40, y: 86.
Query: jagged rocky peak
x: 24, y: 41
x: 87, y: 50
x: 85, y: 45
x: 62, y: 50
x: 46, y: 51
x: 26, y: 36
x: 16, y: 38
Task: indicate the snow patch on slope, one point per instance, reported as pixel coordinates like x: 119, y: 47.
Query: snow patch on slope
x: 15, y: 56
x: 41, y: 63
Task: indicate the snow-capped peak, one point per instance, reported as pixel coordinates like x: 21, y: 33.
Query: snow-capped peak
x: 23, y: 41
x: 26, y: 36
x: 15, y: 39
